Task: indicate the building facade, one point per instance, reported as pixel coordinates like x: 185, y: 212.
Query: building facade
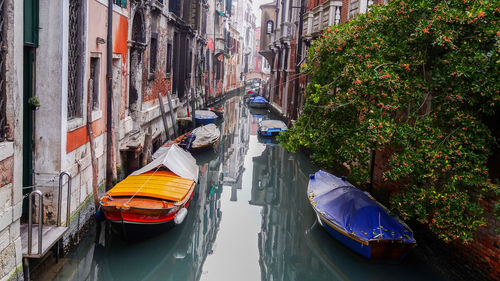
x: 11, y: 135
x: 79, y: 106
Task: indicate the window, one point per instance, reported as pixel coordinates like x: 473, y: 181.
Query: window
x: 153, y: 52
x: 169, y: 58
x: 174, y: 7
x: 121, y: 3
x: 75, y: 61
x: 270, y: 26
x: 189, y: 64
x: 94, y: 85
x: 207, y: 60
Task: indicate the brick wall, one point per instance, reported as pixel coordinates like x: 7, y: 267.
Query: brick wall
x: 484, y: 253
x: 478, y: 261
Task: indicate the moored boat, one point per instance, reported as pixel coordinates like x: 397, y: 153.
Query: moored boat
x: 217, y: 110
x: 153, y: 198
x: 356, y: 219
x: 204, y: 117
x: 258, y: 102
x: 200, y: 138
x: 269, y: 128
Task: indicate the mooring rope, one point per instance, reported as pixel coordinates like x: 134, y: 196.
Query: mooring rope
x: 132, y: 197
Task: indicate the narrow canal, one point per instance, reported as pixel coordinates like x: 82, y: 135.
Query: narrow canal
x: 249, y: 220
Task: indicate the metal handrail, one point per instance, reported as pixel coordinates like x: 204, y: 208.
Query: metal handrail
x: 68, y: 203
x: 40, y: 221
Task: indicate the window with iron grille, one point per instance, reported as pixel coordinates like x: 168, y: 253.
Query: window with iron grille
x: 153, y: 52
x: 95, y: 73
x: 169, y: 58
x: 75, y: 60
x: 3, y: 98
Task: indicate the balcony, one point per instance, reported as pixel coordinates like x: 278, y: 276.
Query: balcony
x: 320, y: 17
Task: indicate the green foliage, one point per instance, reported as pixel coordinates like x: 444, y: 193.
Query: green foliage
x: 415, y: 79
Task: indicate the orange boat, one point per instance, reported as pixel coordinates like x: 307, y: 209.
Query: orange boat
x: 153, y: 198
x: 217, y: 110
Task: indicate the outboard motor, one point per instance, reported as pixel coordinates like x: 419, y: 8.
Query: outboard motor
x: 189, y: 141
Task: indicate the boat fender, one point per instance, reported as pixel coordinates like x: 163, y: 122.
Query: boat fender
x: 180, y: 216
x: 343, y: 178
x: 311, y: 176
x: 99, y: 215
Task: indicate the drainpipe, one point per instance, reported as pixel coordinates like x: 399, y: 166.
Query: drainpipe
x: 110, y: 165
x: 298, y: 59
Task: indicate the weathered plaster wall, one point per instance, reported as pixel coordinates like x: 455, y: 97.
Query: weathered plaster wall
x: 51, y: 89
x: 11, y: 150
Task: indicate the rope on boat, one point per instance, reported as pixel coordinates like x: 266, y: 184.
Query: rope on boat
x: 132, y: 197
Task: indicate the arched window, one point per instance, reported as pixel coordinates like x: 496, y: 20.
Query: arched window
x: 270, y: 26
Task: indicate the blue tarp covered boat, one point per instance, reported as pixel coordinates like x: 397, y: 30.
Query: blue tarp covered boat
x: 269, y: 128
x: 258, y: 102
x: 356, y: 219
x: 204, y: 117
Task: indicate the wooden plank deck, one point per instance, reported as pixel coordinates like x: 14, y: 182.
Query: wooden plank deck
x: 50, y: 235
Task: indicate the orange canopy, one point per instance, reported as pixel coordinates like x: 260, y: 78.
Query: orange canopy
x: 159, y: 184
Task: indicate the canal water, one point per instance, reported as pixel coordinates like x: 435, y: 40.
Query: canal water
x: 249, y: 220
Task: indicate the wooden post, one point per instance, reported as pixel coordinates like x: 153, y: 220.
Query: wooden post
x: 172, y: 114
x: 92, y: 147
x: 187, y: 102
x: 148, y: 145
x: 193, y: 104
x: 163, y: 117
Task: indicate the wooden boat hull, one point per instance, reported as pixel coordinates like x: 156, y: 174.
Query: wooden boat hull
x: 152, y: 201
x: 140, y: 223
x: 372, y: 249
x: 270, y: 133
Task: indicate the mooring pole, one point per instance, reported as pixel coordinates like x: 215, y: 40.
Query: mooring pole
x: 193, y: 104
x: 163, y: 117
x: 172, y: 113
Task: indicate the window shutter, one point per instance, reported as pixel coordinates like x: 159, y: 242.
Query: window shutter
x: 124, y: 4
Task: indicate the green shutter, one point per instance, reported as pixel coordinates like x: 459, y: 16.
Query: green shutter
x: 124, y: 4
x: 31, y: 23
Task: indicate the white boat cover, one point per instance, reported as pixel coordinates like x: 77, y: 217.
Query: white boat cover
x: 177, y: 160
x: 205, y: 114
x: 273, y: 124
x: 205, y: 135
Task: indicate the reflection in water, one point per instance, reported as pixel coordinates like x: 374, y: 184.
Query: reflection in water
x: 249, y: 220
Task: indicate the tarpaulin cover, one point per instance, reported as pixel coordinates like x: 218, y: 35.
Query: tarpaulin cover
x: 354, y: 210
x: 272, y: 124
x: 205, y: 135
x: 259, y: 100
x: 205, y: 114
x: 176, y: 160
